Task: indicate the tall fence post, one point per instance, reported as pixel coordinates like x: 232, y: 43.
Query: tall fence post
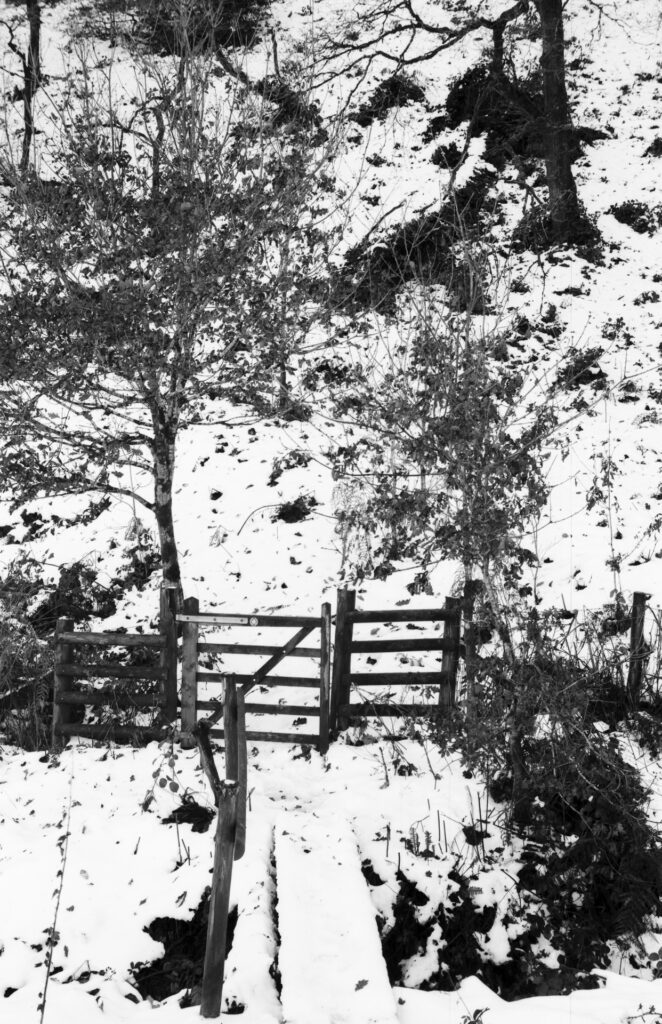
x: 242, y: 778
x: 189, y: 672
x: 61, y: 712
x: 219, y: 902
x: 230, y: 729
x: 325, y: 676
x: 451, y: 656
x: 342, y: 654
x: 168, y: 630
x: 637, y: 649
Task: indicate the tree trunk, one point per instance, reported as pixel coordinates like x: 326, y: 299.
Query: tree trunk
x: 31, y: 79
x: 164, y: 469
x: 563, y: 201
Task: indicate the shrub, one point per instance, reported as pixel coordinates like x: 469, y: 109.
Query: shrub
x: 25, y: 672
x: 534, y: 233
x: 297, y: 510
x: 508, y: 113
x: 540, y: 733
x: 448, y: 155
x: 643, y: 219
x: 156, y: 24
x: 582, y: 367
x: 395, y: 91
x: 421, y: 249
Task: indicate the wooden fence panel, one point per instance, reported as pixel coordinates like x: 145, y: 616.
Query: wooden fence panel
x: 63, y: 651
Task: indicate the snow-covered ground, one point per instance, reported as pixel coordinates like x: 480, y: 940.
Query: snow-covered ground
x: 83, y: 860
x: 80, y: 857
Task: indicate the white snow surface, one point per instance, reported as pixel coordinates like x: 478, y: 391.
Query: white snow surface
x: 123, y: 867
x: 330, y: 960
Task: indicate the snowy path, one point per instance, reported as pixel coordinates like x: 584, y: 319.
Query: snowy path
x: 330, y: 960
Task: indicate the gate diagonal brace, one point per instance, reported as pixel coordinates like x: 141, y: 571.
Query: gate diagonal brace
x: 265, y: 669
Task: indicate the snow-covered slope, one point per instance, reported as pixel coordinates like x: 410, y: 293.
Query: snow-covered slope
x: 82, y: 814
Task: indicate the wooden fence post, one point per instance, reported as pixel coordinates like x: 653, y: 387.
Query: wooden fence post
x: 219, y: 902
x: 242, y: 778
x: 637, y: 649
x: 168, y: 630
x: 450, y: 658
x: 325, y: 676
x: 61, y: 712
x: 230, y: 729
x: 342, y: 655
x: 189, y: 672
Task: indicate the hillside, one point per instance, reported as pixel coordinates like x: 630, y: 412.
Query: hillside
x: 354, y: 205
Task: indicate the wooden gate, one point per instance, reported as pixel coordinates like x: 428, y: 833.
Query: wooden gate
x: 194, y: 677
x: 344, y: 677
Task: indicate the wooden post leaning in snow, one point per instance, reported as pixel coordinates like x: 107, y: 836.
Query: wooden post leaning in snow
x: 225, y: 798
x: 168, y: 630
x: 219, y: 901
x: 342, y: 654
x: 189, y: 672
x: 61, y: 683
x: 236, y: 767
x: 638, y: 650
x: 325, y: 677
x: 450, y: 657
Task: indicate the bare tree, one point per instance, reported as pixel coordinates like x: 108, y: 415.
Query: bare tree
x: 132, y: 275
x: 30, y: 61
x: 392, y: 27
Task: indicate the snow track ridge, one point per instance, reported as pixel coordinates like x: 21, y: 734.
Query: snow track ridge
x: 330, y: 960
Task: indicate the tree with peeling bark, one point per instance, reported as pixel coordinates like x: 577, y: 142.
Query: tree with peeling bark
x: 394, y: 29
x: 132, y: 276
x: 30, y: 63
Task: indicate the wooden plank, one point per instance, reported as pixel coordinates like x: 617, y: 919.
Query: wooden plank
x: 325, y: 678
x: 342, y: 654
x: 302, y: 681
x: 63, y: 654
x: 368, y: 708
x: 189, y: 692
x: 413, y: 678
x: 273, y: 737
x: 290, y: 646
x: 395, y: 646
x: 111, y: 671
x: 298, y: 652
x: 451, y: 653
x: 330, y: 959
x: 230, y: 730
x: 111, y: 732
x: 401, y: 615
x: 282, y: 709
x: 112, y: 639
x: 242, y: 794
x: 214, y: 618
x: 219, y: 903
x: 265, y: 709
x: 112, y: 698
